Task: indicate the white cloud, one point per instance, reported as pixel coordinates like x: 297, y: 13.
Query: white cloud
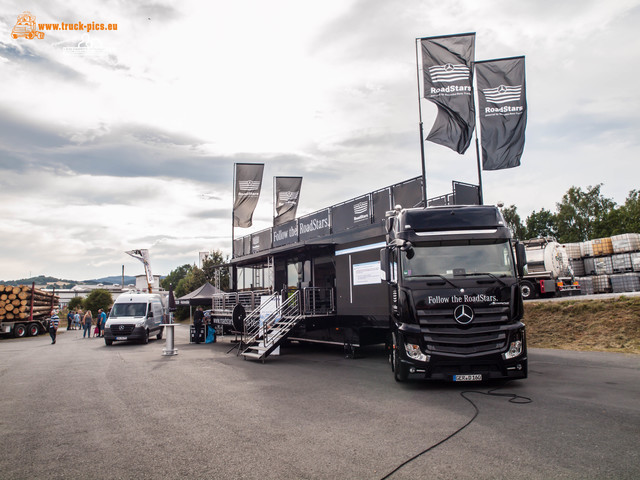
x: 105, y: 156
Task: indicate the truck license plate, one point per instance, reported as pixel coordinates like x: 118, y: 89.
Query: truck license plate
x: 121, y: 338
x: 476, y: 377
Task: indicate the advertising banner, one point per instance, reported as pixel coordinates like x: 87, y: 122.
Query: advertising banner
x: 503, y: 111
x: 247, y: 192
x: 447, y: 76
x: 287, y: 196
x: 313, y: 226
x: 285, y: 234
x: 354, y: 213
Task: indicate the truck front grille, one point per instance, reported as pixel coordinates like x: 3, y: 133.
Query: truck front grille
x: 121, y: 330
x: 486, y: 333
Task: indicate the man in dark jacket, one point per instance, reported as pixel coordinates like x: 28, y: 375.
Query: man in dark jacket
x: 198, y: 317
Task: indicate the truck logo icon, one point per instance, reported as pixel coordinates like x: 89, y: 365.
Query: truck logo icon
x: 26, y: 27
x: 463, y: 314
x: 449, y: 73
x: 503, y: 94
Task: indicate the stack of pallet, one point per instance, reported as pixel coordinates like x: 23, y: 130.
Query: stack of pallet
x: 609, y: 264
x: 15, y: 303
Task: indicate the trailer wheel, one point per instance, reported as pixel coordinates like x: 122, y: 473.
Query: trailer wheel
x: 19, y: 330
x: 528, y: 290
x: 33, y: 329
x: 399, y: 370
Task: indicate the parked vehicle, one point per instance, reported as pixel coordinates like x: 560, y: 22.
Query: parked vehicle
x: 25, y: 311
x: 455, y: 308
x: 548, y: 272
x: 135, y: 316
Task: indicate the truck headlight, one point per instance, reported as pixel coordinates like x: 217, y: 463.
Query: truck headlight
x: 515, y: 349
x: 414, y: 352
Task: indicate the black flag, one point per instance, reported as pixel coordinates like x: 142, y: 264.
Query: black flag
x: 287, y: 195
x: 446, y: 66
x: 503, y: 111
x: 247, y: 192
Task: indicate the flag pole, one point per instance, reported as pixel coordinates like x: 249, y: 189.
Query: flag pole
x: 476, y: 104
x: 422, y: 155
x: 233, y: 211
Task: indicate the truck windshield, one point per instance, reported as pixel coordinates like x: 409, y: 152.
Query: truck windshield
x: 129, y: 310
x: 459, y: 260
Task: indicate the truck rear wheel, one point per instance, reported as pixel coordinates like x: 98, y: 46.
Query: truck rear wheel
x: 19, y: 330
x: 399, y: 370
x: 33, y: 329
x: 528, y: 290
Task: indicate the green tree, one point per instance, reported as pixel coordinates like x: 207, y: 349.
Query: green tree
x: 582, y: 215
x: 98, y: 298
x: 212, y: 265
x: 175, y: 276
x: 75, y: 303
x: 541, y: 224
x: 514, y: 222
x: 629, y: 214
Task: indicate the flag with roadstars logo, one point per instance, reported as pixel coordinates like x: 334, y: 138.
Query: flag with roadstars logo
x: 247, y: 192
x: 448, y: 82
x: 503, y: 111
x: 287, y: 195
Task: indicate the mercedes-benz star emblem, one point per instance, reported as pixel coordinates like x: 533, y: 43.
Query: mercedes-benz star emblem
x: 463, y: 314
x: 121, y: 327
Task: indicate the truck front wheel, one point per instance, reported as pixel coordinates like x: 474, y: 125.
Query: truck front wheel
x: 399, y: 370
x: 528, y: 290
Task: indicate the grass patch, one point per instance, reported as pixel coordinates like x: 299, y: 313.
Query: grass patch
x: 610, y: 325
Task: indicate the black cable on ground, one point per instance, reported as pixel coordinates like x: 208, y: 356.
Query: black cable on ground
x: 513, y: 398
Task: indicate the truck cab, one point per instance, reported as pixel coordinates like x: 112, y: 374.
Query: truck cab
x: 456, y: 307
x: 135, y: 316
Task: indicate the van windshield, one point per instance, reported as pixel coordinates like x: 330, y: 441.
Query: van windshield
x: 129, y: 310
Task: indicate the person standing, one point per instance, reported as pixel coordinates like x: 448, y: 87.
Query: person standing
x: 69, y: 319
x: 86, y: 321
x: 198, y: 317
x: 76, y: 320
x: 102, y: 320
x: 54, y: 321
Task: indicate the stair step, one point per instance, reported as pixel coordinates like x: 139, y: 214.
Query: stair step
x: 252, y: 355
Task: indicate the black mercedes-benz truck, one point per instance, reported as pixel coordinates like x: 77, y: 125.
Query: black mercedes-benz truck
x: 455, y: 303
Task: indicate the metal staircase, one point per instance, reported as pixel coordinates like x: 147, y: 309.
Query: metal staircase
x: 263, y: 339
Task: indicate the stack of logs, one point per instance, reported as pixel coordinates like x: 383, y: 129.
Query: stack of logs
x: 15, y: 303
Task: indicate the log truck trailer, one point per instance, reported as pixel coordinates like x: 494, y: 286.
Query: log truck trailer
x: 455, y: 300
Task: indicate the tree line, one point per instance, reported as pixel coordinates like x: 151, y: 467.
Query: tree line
x: 581, y: 215
x: 188, y: 278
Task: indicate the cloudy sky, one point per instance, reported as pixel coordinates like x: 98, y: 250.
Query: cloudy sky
x: 126, y: 138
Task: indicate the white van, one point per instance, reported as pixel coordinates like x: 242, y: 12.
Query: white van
x: 135, y: 316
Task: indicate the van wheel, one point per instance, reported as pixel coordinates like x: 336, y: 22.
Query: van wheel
x: 145, y: 339
x: 108, y: 341
x: 159, y: 336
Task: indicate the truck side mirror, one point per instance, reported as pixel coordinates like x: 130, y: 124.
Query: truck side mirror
x: 385, y: 269
x: 521, y: 258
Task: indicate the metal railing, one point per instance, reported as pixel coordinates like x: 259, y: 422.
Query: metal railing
x: 285, y: 317
x: 224, y: 303
x: 317, y: 301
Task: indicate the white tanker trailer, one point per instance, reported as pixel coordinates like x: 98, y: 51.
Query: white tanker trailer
x: 548, y: 272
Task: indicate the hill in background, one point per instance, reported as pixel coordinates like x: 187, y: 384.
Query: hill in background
x: 62, y: 283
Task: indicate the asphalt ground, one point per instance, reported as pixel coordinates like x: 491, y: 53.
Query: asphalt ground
x: 80, y: 409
